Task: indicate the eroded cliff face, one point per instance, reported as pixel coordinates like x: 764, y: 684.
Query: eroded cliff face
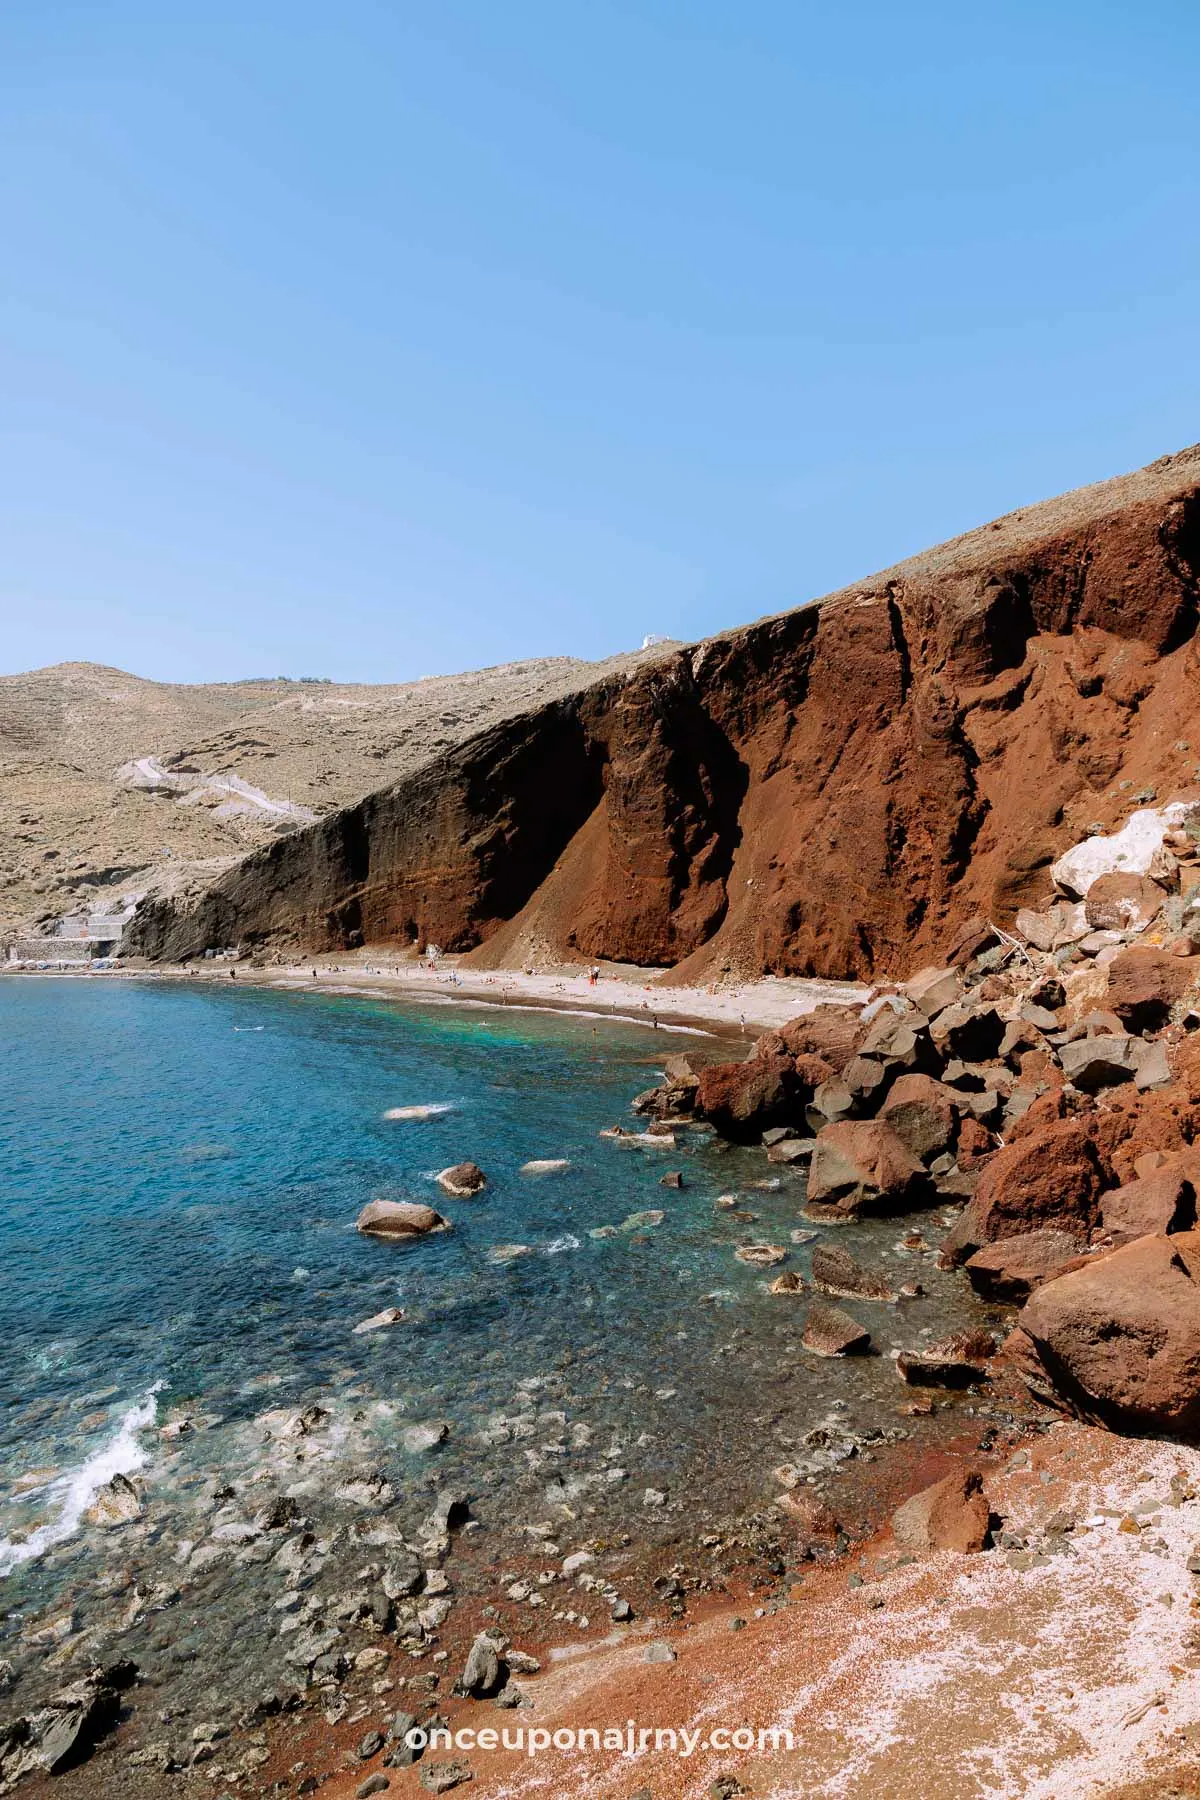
x: 827, y: 792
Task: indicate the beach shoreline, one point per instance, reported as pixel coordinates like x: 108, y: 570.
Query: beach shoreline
x: 622, y: 995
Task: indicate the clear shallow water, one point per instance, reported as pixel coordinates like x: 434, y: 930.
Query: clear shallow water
x: 180, y: 1171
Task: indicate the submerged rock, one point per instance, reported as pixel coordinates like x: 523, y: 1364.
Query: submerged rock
x: 391, y: 1315
x: 761, y: 1256
x: 421, y: 1438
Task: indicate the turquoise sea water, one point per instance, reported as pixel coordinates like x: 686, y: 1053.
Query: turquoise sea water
x: 181, y: 1167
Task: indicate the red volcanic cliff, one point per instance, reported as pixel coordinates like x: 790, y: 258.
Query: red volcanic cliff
x: 830, y: 791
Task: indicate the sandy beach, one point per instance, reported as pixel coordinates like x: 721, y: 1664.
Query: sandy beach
x: 735, y: 1009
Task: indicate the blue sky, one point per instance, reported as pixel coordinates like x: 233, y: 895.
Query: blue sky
x: 374, y: 340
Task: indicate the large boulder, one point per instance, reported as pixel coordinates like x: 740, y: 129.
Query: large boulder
x: 1123, y: 902
x: 1144, y: 984
x: 1102, y: 1061
x: 1119, y: 1338
x: 953, y: 1514
x: 834, y: 1271
x: 899, y: 1043
x: 828, y: 1331
x: 833, y: 1033
x: 1011, y: 1269
x: 862, y: 1165
x: 1043, y: 929
x: 63, y: 1732
x: 957, y: 1362
x: 831, y: 1102
x: 399, y: 1219
x: 921, y: 1112
x: 1051, y: 1177
x: 745, y: 1099
x: 1162, y: 1201
x: 933, y: 990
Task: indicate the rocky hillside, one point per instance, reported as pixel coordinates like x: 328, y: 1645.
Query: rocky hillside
x: 826, y: 792
x: 111, y: 785
x: 1048, y: 1078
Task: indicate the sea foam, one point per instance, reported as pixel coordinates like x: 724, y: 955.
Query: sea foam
x: 121, y: 1455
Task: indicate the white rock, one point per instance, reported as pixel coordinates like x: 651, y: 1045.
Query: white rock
x: 503, y: 1253
x: 391, y: 1315
x: 419, y: 1438
x: 576, y: 1560
x: 1129, y: 851
x: 545, y: 1165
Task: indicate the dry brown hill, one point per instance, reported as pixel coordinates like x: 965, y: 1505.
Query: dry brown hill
x: 75, y: 833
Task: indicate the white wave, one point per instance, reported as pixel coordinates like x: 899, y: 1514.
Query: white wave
x: 557, y: 1245
x: 121, y: 1455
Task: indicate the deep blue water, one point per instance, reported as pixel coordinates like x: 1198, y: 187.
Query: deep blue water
x: 181, y: 1168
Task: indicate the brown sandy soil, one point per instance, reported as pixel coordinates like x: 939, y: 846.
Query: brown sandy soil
x: 946, y: 1678
x: 1069, y: 1670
